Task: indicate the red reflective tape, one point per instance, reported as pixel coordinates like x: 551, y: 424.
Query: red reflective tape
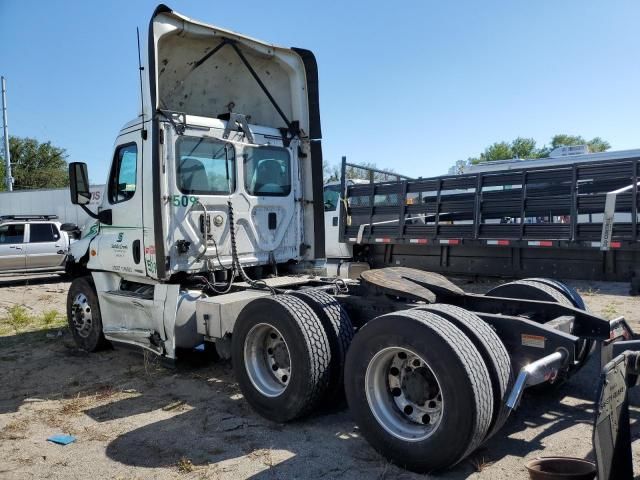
x: 498, y: 242
x: 421, y: 241
x: 449, y: 242
x: 540, y: 243
x: 383, y: 240
x: 615, y: 244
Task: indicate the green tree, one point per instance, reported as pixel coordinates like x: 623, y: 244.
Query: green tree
x: 596, y: 144
x: 36, y: 165
x: 523, y: 147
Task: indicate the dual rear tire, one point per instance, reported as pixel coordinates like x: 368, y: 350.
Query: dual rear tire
x: 420, y: 390
x: 548, y: 290
x: 288, y: 353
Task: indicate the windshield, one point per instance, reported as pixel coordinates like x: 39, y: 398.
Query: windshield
x: 205, y: 166
x: 267, y: 171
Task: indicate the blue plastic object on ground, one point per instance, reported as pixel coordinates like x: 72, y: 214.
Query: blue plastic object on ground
x: 62, y: 439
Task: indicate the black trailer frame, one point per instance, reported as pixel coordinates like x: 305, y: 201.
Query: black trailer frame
x: 522, y: 222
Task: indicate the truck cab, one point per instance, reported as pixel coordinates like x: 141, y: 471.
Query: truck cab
x: 216, y: 179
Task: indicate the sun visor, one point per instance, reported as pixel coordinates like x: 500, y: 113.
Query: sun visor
x: 207, y: 71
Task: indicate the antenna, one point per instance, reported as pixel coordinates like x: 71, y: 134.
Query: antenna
x: 5, y: 129
x: 140, y: 69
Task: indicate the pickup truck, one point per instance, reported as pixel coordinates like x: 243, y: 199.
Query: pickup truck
x: 32, y: 244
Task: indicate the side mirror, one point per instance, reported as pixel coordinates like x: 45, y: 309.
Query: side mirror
x: 79, y: 183
x: 69, y: 227
x: 72, y: 230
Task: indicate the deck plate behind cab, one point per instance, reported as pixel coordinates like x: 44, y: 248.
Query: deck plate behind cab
x: 403, y: 281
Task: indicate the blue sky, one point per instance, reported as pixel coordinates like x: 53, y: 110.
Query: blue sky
x: 412, y: 86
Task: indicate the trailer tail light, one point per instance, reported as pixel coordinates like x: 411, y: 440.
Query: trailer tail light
x: 540, y: 243
x: 498, y: 242
x: 450, y: 242
x: 419, y: 241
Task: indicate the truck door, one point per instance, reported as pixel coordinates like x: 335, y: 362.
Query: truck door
x: 45, y: 248
x: 119, y: 246
x: 333, y: 247
x: 12, y: 253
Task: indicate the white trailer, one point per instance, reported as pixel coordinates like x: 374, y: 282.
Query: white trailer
x: 53, y: 201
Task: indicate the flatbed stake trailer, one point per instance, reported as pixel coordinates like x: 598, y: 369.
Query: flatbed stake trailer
x: 211, y: 230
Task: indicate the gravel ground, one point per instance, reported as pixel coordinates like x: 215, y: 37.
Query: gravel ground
x: 134, y: 418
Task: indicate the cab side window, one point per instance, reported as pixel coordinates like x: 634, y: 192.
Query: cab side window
x: 43, y: 232
x: 331, y: 198
x: 13, y: 233
x: 122, y: 181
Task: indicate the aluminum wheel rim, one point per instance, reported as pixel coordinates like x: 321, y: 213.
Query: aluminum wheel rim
x: 267, y: 360
x: 81, y: 315
x: 404, y: 394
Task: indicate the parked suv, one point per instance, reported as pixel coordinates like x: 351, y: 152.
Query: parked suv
x: 32, y: 244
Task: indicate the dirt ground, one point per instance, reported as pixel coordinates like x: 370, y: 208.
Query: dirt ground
x: 134, y: 418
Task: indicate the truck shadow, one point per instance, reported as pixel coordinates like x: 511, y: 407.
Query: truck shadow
x: 196, y: 413
x: 13, y: 280
x: 220, y: 430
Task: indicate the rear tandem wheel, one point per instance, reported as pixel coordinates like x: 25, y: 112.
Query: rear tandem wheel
x: 493, y: 352
x: 418, y: 389
x: 281, y: 357
x: 548, y: 290
x: 339, y: 330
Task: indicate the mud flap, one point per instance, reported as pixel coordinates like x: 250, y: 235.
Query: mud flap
x: 612, y: 432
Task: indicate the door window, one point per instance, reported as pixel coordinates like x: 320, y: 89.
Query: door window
x: 122, y: 181
x: 43, y: 232
x: 331, y: 198
x: 267, y: 171
x: 11, y: 234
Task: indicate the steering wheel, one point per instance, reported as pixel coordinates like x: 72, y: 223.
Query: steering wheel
x: 271, y: 188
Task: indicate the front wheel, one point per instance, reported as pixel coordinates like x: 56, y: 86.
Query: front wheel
x: 83, y: 315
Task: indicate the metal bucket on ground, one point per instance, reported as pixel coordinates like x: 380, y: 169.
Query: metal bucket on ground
x: 561, y: 468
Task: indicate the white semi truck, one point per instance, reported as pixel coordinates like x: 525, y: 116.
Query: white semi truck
x: 211, y: 230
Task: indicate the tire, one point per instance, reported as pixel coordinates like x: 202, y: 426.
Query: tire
x: 339, y: 330
x: 493, y: 352
x: 280, y: 331
x: 461, y: 394
x: 83, y: 315
x: 570, y: 293
x: 535, y: 289
x: 529, y: 290
x: 586, y: 346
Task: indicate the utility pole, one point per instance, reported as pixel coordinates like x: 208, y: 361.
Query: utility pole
x: 5, y: 130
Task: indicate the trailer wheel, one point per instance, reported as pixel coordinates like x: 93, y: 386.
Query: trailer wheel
x: 418, y: 389
x: 536, y: 289
x: 577, y: 301
x: 83, y: 315
x: 281, y: 357
x: 493, y: 352
x: 339, y: 329
x: 530, y: 289
x: 570, y: 293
